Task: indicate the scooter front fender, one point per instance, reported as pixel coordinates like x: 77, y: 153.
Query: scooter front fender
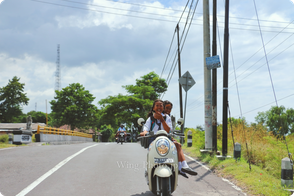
x: 163, y: 171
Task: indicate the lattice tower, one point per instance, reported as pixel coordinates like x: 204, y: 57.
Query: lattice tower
x: 57, y: 73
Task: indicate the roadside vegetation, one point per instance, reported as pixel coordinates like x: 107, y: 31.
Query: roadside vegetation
x: 4, y: 141
x: 73, y: 105
x: 258, y: 172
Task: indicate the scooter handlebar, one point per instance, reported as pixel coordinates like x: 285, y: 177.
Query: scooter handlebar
x: 178, y: 133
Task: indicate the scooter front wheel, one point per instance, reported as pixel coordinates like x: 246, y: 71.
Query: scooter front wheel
x: 164, y: 186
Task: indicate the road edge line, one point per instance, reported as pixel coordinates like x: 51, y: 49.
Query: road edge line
x: 225, y: 180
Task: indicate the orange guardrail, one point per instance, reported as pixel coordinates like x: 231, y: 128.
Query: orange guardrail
x: 57, y: 131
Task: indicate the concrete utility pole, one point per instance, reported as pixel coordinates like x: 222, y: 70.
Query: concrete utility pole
x: 214, y: 82
x: 207, y: 77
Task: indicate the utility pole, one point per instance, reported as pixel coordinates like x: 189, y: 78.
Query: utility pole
x: 207, y: 77
x: 225, y: 84
x: 214, y: 82
x: 180, y: 75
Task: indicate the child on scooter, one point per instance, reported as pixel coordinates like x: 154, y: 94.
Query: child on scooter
x: 183, y: 166
x: 156, y: 120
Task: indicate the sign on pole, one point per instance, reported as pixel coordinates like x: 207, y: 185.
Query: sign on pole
x: 213, y: 62
x: 186, y: 81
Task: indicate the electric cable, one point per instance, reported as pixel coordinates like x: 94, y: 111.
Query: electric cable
x: 142, y: 17
x: 167, y: 55
x: 265, y: 54
x: 265, y: 45
x: 174, y: 64
x: 174, y: 36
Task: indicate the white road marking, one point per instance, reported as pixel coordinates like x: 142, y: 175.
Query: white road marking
x: 7, y: 149
x: 198, y: 163
x: 54, y: 169
x: 233, y: 185
x: 1, y: 194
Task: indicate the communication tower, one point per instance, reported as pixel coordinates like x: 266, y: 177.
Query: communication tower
x: 57, y: 73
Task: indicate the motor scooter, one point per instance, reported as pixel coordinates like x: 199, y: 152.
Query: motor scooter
x: 121, y: 137
x: 161, y: 171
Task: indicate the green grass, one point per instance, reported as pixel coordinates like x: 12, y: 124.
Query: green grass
x: 265, y: 153
x: 4, y: 145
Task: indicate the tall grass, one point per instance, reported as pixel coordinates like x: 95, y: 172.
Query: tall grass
x: 263, y: 148
x: 4, y: 138
x: 264, y: 152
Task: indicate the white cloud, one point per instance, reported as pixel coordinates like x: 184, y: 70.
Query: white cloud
x: 104, y: 51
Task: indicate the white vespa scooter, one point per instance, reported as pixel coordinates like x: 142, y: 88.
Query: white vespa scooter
x: 162, y: 160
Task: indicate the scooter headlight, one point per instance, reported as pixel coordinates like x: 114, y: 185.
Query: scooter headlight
x: 162, y: 146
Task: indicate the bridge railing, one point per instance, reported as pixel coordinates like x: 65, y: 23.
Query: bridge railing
x: 57, y: 131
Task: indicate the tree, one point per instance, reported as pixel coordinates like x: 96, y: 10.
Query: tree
x: 149, y: 87
x: 37, y: 116
x: 128, y: 108
x: 279, y: 120
x: 12, y: 98
x: 106, y: 132
x: 122, y: 109
x: 73, y: 106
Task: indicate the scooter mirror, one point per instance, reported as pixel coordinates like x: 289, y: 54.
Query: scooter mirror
x: 180, y: 121
x: 141, y: 121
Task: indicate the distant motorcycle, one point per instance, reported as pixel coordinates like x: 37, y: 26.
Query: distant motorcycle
x: 121, y: 137
x: 162, y: 160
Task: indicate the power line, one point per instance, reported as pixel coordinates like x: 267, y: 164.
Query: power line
x: 219, y: 91
x: 175, y: 10
x: 185, y: 37
x: 262, y: 57
x: 174, y: 64
x: 167, y: 54
x: 173, y: 38
x: 143, y: 17
x: 268, y: 104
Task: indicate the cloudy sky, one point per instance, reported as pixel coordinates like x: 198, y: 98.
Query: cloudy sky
x: 105, y: 44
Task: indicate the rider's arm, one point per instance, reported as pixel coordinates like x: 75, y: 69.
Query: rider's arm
x: 146, y: 127
x: 168, y: 123
x: 165, y: 125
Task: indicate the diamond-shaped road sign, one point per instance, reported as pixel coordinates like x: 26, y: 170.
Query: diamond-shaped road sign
x: 186, y: 81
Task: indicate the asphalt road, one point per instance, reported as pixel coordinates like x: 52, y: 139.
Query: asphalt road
x: 93, y: 169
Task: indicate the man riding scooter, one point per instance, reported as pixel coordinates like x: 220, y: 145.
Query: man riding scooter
x: 121, y: 129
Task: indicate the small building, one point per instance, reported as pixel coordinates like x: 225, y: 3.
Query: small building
x: 8, y: 128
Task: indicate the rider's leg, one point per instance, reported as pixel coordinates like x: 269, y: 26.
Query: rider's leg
x: 181, y: 157
x: 184, y: 167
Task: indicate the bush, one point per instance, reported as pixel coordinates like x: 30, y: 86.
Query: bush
x: 106, y: 132
x: 4, y: 138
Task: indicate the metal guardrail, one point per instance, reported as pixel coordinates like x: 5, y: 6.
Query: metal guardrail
x: 57, y: 131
